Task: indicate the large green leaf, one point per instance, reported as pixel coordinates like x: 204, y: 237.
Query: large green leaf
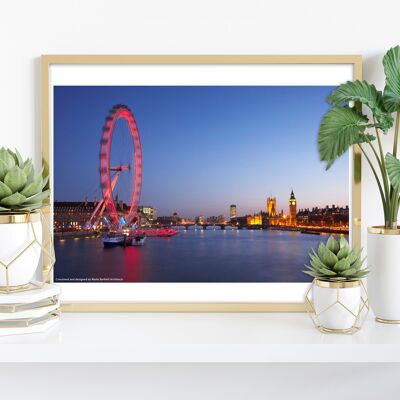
x: 393, y: 169
x: 15, y: 179
x: 341, y: 127
x: 13, y: 200
x: 391, y: 65
x: 365, y: 93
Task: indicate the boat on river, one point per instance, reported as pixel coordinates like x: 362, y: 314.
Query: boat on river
x: 138, y: 240
x: 308, y: 232
x: 135, y: 237
x: 114, y: 240
x: 111, y: 240
x: 158, y: 232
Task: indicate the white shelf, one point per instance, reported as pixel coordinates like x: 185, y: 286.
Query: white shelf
x: 140, y: 338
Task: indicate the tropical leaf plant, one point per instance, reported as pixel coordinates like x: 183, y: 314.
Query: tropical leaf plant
x: 20, y: 188
x: 345, y: 125
x: 334, y: 260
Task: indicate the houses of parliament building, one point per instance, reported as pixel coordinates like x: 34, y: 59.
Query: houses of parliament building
x: 329, y: 216
x: 271, y: 216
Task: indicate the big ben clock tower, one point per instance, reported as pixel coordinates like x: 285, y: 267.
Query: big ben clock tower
x: 292, y: 210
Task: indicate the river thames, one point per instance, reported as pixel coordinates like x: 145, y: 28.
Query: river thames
x: 190, y: 256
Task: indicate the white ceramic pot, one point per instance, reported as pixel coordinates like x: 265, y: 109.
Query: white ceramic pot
x: 384, y: 279
x: 333, y: 301
x: 17, y: 232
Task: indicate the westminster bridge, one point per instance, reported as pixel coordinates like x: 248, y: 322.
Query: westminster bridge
x: 303, y: 229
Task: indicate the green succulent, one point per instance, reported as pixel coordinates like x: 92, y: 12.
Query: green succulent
x: 334, y: 260
x: 20, y: 188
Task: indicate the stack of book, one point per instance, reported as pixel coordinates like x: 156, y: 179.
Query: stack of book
x: 33, y: 309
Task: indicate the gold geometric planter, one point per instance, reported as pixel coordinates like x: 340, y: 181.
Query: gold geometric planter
x: 337, y: 302
x: 26, y: 305
x: 45, y: 243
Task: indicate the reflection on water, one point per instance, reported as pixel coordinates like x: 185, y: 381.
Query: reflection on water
x: 190, y: 256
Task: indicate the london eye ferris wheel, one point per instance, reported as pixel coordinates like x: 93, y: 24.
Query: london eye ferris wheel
x: 110, y: 173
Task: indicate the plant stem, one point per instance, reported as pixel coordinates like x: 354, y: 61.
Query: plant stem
x: 378, y: 136
x: 395, y: 211
x: 392, y: 198
x: 394, y: 194
x: 385, y: 211
x: 381, y: 164
x: 396, y: 134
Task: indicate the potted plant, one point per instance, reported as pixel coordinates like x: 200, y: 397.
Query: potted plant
x: 22, y: 192
x: 359, y: 116
x: 336, y: 290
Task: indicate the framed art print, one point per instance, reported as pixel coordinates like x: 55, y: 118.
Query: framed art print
x: 192, y: 183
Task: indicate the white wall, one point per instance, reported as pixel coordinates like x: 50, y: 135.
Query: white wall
x: 31, y: 28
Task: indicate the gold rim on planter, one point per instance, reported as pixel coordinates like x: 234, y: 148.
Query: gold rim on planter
x: 381, y: 230
x: 348, y: 331
x: 19, y: 218
x: 337, y: 284
x: 387, y: 321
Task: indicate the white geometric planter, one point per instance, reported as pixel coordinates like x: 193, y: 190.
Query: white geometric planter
x: 20, y: 249
x: 337, y: 306
x: 384, y: 279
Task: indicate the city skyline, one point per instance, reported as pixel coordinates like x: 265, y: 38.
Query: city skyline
x: 233, y: 209
x: 201, y: 146
x: 227, y: 211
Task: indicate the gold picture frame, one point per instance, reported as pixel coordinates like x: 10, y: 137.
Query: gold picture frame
x: 355, y: 214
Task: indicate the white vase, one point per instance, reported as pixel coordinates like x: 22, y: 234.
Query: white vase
x: 384, y: 279
x: 336, y: 304
x: 20, y: 248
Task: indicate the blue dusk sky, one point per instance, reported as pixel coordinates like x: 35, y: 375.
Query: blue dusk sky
x: 204, y: 148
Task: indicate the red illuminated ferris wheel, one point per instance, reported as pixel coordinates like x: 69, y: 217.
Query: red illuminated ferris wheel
x: 109, y: 174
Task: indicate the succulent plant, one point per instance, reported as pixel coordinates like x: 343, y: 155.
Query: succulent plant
x: 20, y: 188
x: 336, y: 261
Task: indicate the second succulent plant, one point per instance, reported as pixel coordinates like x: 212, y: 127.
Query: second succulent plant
x: 334, y: 260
